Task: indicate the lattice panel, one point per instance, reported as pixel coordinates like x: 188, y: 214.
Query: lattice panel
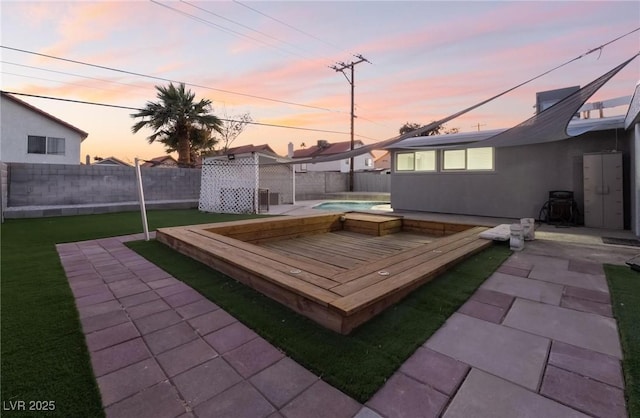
x: 229, y: 186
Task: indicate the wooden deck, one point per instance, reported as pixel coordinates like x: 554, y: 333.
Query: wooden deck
x: 339, y: 269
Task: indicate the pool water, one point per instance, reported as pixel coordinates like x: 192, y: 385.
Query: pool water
x: 354, y: 205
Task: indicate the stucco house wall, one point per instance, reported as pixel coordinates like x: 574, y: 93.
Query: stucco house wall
x: 519, y: 184
x: 18, y: 120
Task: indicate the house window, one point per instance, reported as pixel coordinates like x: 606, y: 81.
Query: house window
x: 454, y: 159
x: 471, y: 159
x: 480, y: 158
x: 45, y: 145
x: 425, y: 161
x: 405, y: 161
x: 416, y: 161
x: 55, y: 146
x: 37, y: 144
x: 368, y: 162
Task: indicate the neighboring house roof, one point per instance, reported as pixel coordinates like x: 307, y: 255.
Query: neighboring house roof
x: 112, y: 161
x: 165, y: 160
x: 383, y: 161
x: 326, y: 149
x: 246, y: 149
x: 82, y: 133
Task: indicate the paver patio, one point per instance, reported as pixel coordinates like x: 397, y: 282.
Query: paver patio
x: 536, y: 339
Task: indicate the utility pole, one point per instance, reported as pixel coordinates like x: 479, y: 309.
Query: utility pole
x: 478, y: 125
x: 340, y: 67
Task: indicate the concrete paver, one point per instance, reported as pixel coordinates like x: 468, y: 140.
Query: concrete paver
x: 118, y: 356
x: 587, y: 363
x: 206, y: 380
x: 524, y: 288
x: 321, y: 401
x: 283, y: 381
x: 159, y: 401
x: 484, y: 311
x: 485, y: 396
x: 240, y: 401
x: 584, y: 394
x: 571, y: 278
x: 436, y: 370
x: 582, y: 329
x: 403, y: 397
x: 186, y: 356
x: 506, y: 352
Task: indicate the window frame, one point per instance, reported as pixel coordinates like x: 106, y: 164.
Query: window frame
x: 466, y: 161
x: 413, y: 160
x: 48, y: 145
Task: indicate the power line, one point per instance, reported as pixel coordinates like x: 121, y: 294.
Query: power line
x: 222, y: 28
x: 289, y: 26
x: 239, y: 24
x: 66, y: 73
x: 167, y: 79
x: 271, y: 125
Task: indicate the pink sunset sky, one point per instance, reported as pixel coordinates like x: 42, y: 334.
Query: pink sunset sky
x: 271, y: 59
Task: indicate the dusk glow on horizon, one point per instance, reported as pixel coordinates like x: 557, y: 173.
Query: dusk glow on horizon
x: 272, y: 59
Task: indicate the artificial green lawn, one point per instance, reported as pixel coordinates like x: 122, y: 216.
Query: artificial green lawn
x: 357, y: 364
x: 43, y: 355
x: 624, y: 285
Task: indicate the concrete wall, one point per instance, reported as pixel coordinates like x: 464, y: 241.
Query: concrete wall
x: 18, y: 122
x: 315, y: 185
x: 57, y: 184
x: 372, y: 181
x: 517, y: 188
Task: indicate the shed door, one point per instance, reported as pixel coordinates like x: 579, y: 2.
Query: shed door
x: 603, y: 206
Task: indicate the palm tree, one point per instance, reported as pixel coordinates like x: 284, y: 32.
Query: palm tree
x: 174, y: 116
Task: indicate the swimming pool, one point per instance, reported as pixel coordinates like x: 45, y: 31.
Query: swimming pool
x: 354, y: 205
